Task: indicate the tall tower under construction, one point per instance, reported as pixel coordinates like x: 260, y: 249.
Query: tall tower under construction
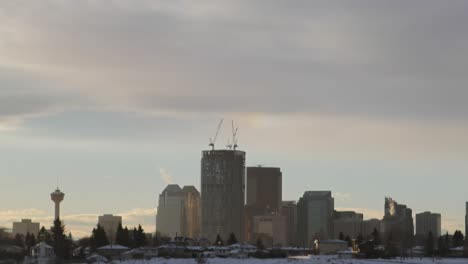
x: 222, y: 193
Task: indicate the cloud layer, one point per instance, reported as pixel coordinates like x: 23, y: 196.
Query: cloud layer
x: 366, y: 58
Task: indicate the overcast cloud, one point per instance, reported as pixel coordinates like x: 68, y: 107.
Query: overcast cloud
x: 96, y: 82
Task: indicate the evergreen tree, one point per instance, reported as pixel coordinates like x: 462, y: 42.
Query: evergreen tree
x: 429, y: 247
x: 458, y: 239
x: 98, y: 238
x: 232, y: 239
x: 219, y: 241
x: 341, y: 236
x: 447, y: 241
x: 120, y: 236
x: 442, y: 246
x: 44, y: 236
x: 30, y: 241
x: 140, y: 237
x: 19, y: 240
x: 60, y: 241
x: 129, y: 238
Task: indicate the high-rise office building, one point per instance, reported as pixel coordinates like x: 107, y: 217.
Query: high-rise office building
x: 192, y: 212
x: 428, y: 222
x: 289, y: 210
x: 179, y: 211
x: 264, y: 188
x: 264, y: 195
x: 398, y: 222
x: 222, y: 193
x: 110, y: 223
x: 348, y: 223
x: 24, y: 227
x: 314, y: 217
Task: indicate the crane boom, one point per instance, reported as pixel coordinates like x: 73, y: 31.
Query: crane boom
x: 213, y: 140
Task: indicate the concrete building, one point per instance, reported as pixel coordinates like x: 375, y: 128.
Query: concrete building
x: 398, y: 222
x: 223, y: 193
x: 314, y: 217
x: 428, y: 222
x: 289, y: 210
x: 179, y: 211
x: 271, y: 229
x: 368, y: 227
x: 24, y: 227
x: 57, y: 197
x: 348, y: 223
x: 110, y: 223
x: 264, y: 195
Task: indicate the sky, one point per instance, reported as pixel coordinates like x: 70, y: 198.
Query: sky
x: 118, y: 98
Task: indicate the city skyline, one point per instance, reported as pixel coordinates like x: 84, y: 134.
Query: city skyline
x: 363, y: 99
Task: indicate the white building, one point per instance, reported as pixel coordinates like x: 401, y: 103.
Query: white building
x: 179, y: 211
x: 110, y: 223
x: 25, y: 226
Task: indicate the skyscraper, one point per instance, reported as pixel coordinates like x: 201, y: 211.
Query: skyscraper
x: 264, y: 188
x: 57, y: 197
x: 398, y: 222
x: 179, y: 211
x: 314, y: 216
x: 222, y: 192
x: 428, y: 222
x: 264, y: 195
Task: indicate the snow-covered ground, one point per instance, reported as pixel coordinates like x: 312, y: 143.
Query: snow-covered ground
x: 300, y: 260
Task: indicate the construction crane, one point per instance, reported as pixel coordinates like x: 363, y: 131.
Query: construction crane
x: 213, y: 140
x: 234, y: 135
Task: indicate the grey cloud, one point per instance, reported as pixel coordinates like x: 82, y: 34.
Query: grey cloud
x: 394, y: 59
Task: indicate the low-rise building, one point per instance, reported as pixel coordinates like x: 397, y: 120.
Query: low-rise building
x: 24, y: 227
x: 347, y: 223
x: 110, y: 223
x: 271, y: 229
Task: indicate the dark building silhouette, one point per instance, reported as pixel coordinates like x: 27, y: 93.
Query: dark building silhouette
x: 289, y: 210
x: 348, y: 223
x: 398, y: 226
x: 222, y: 193
x: 315, y: 211
x: 264, y: 188
x: 264, y: 194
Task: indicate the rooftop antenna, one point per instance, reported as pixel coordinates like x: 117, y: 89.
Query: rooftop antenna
x: 213, y: 140
x: 57, y: 182
x: 234, y: 135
